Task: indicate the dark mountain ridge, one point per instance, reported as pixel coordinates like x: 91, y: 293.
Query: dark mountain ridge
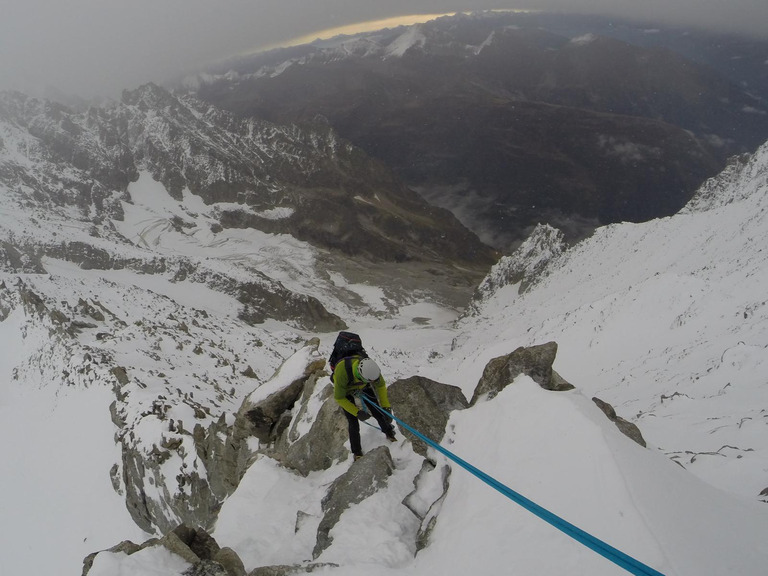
x: 508, y: 124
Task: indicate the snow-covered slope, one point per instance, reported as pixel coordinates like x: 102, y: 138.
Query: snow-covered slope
x: 110, y: 378
x: 555, y: 448
x: 666, y: 320
x: 97, y: 375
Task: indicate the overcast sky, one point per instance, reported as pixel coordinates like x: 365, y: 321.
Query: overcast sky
x: 98, y: 47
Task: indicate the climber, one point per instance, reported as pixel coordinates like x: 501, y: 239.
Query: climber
x: 355, y: 376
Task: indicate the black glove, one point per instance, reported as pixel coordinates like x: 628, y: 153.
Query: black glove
x: 362, y: 415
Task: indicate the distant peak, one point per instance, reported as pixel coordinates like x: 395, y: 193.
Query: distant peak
x: 150, y: 94
x: 744, y: 176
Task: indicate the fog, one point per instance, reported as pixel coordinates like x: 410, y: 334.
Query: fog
x: 98, y: 47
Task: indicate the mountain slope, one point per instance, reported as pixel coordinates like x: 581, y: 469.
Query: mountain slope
x: 650, y: 317
x: 666, y: 320
x: 220, y: 182
x: 125, y: 295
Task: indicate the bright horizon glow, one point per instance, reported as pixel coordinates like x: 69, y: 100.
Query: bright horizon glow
x: 369, y: 26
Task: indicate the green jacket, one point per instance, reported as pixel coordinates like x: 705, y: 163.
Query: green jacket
x: 345, y: 384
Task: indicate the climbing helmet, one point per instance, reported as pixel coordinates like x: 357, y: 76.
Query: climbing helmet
x: 368, y: 370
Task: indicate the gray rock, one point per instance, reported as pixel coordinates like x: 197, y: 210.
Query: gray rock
x: 627, y: 428
x: 87, y: 309
x: 535, y: 361
x: 202, y: 544
x: 425, y: 405
x: 261, y: 418
x: 227, y: 458
x: 196, y: 503
x: 323, y: 444
x: 230, y: 561
x: 225, y: 450
x: 206, y: 568
x: 426, y: 501
x: 364, y: 478
x: 120, y: 375
x: 301, y: 518
x: 125, y: 547
x: 226, y: 455
x: 291, y: 570
x: 194, y: 545
x: 174, y: 543
x: 16, y: 259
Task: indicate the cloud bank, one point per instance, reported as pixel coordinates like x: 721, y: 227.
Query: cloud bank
x: 98, y: 47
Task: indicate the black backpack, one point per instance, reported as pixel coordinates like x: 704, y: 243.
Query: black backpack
x: 347, y: 344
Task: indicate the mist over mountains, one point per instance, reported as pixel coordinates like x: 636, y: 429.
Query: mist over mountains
x: 173, y: 274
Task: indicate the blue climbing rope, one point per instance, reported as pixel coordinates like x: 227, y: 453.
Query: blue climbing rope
x: 604, y: 549
x: 364, y: 407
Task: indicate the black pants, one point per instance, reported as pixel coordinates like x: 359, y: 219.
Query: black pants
x: 354, y: 424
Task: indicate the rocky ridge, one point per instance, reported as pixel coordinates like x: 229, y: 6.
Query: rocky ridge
x: 279, y: 415
x: 191, y: 373
x: 523, y: 267
x: 743, y: 177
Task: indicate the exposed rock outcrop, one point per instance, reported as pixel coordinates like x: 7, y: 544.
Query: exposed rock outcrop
x: 19, y: 259
x: 214, y: 455
x: 230, y: 561
x: 193, y: 545
x: 291, y: 570
x: 426, y: 405
x: 323, y: 444
x: 534, y: 361
x: 430, y: 488
x: 262, y: 415
x: 275, y: 418
x: 363, y: 479
x: 627, y: 428
x: 524, y: 266
x: 744, y: 175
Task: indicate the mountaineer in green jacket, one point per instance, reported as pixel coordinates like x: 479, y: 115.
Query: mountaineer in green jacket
x: 354, y: 376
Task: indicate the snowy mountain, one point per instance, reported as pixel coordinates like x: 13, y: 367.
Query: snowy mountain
x: 166, y: 184
x: 661, y: 314
x: 137, y: 395
x: 152, y: 273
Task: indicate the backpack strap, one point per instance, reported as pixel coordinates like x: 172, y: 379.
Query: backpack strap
x: 348, y: 367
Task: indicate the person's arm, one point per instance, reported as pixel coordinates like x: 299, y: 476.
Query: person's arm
x: 381, y: 392
x: 340, y: 380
